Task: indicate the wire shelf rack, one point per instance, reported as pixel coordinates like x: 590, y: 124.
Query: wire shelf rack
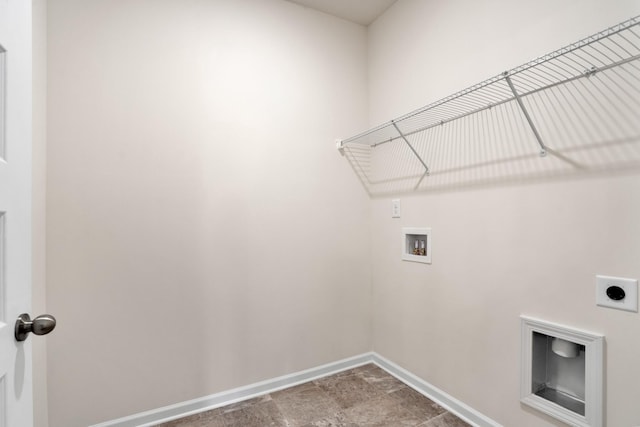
x: 575, y: 110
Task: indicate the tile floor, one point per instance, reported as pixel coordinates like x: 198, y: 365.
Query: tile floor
x: 364, y: 396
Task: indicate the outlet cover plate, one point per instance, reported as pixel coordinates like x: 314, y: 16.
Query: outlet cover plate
x: 630, y: 287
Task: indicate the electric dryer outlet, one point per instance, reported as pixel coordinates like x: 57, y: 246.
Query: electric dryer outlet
x: 617, y: 292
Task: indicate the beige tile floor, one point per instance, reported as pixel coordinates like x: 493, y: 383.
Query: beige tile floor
x: 362, y: 397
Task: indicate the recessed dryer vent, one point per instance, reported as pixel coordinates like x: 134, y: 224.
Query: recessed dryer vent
x: 562, y: 372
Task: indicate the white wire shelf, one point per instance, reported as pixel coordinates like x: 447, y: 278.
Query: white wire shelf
x: 578, y: 108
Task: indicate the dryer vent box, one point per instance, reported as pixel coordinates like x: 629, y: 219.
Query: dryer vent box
x: 562, y: 372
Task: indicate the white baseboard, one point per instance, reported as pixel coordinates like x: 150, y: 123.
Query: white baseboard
x: 443, y: 399
x: 184, y: 409
x: 190, y: 407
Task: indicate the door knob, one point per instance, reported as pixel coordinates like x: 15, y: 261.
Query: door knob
x: 41, y: 325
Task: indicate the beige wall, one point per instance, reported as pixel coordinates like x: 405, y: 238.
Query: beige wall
x: 39, y: 306
x: 503, y: 250
x: 202, y: 231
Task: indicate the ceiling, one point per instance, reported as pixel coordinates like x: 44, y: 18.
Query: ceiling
x: 363, y: 12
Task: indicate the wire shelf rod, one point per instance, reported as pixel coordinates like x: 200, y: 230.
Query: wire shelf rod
x: 584, y: 113
x: 545, y: 75
x: 556, y: 128
x: 562, y: 60
x: 605, y: 55
x: 360, y: 170
x: 579, y: 44
x: 627, y: 72
x: 488, y: 105
x: 630, y: 109
x: 619, y: 101
x: 570, y: 114
x: 557, y: 70
x: 530, y: 82
x: 451, y: 97
x: 595, y: 60
x: 583, y: 100
x: 623, y: 78
x: 612, y: 118
x: 622, y: 48
x: 533, y: 91
x: 462, y: 115
x: 536, y: 62
x: 631, y: 32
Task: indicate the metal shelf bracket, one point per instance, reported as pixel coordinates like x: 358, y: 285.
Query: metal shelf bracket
x: 543, y: 148
x: 426, y: 168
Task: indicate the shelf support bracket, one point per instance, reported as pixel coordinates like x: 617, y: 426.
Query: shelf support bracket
x: 543, y: 148
x: 426, y: 168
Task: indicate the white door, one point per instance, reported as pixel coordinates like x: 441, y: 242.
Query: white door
x: 15, y: 210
